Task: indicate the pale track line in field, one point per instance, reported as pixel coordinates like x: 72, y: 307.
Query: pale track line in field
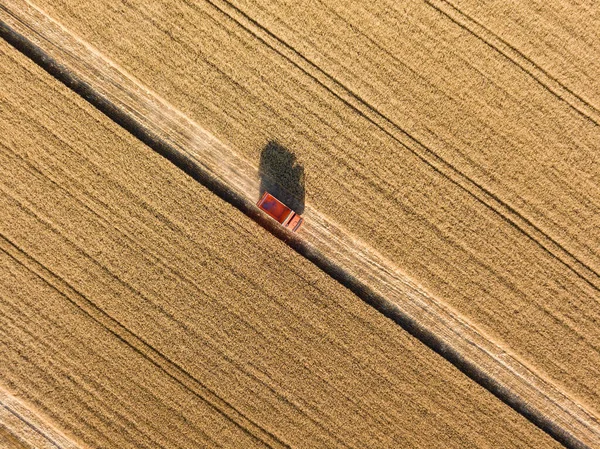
x: 333, y: 249
x: 490, y: 200
x: 30, y: 422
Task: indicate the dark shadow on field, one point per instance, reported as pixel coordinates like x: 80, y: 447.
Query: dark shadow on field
x: 282, y: 176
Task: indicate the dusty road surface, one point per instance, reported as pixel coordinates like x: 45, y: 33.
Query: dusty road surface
x: 139, y: 310
x: 22, y: 427
x: 424, y: 135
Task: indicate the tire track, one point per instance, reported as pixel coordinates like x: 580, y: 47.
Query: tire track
x: 341, y: 255
x: 526, y: 64
x: 20, y: 420
x: 117, y: 422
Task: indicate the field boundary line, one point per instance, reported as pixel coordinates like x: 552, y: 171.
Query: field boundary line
x: 363, y: 108
x: 345, y: 258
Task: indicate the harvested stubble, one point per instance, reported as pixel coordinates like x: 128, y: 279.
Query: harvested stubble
x: 495, y: 209
x: 140, y: 310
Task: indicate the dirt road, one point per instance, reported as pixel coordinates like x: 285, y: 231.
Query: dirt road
x: 340, y: 254
x: 149, y: 312
x: 486, y: 176
x: 22, y: 428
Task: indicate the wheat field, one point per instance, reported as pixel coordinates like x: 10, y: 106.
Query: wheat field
x: 458, y: 141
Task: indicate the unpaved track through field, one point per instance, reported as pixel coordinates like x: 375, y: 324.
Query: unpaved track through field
x: 531, y: 288
x: 22, y: 429
x: 517, y: 382
x: 139, y: 310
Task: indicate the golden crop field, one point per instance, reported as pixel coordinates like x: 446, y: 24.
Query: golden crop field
x: 443, y: 292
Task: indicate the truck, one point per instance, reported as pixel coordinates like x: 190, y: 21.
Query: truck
x: 280, y: 212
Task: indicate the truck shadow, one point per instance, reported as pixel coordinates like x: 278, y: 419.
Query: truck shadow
x: 282, y: 176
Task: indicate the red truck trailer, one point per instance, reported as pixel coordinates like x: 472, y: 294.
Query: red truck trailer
x: 280, y: 212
